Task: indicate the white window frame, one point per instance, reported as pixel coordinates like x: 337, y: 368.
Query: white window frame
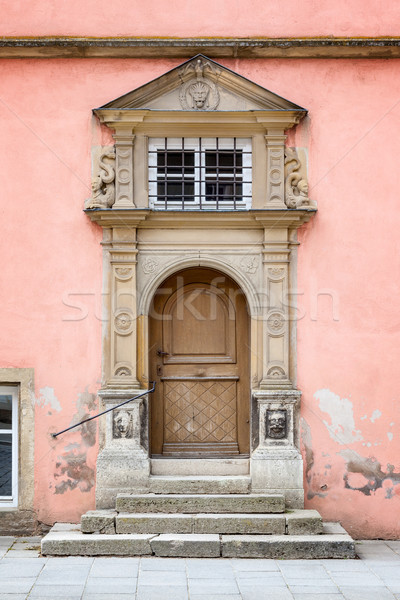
x: 199, y: 177
x: 10, y: 501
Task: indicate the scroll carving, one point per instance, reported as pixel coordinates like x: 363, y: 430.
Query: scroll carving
x: 296, y: 184
x: 103, y: 187
x: 199, y: 92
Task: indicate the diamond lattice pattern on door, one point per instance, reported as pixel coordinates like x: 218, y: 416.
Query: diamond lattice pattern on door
x: 200, y: 411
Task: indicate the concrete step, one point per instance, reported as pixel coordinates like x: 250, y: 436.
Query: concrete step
x: 200, y: 503
x: 68, y: 540
x: 199, y: 466
x: 203, y: 484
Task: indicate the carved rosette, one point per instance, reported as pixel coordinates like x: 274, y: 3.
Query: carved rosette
x: 276, y: 323
x: 249, y: 264
x: 123, y: 322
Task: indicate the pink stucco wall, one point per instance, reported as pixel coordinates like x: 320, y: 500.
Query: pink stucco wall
x: 349, y: 260
x: 189, y: 18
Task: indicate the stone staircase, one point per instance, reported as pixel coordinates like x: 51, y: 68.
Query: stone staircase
x: 219, y: 517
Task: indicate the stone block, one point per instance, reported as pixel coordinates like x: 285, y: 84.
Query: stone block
x: 200, y: 503
x: 304, y: 522
x: 75, y: 543
x: 98, y: 521
x: 153, y: 523
x: 189, y: 545
x: 200, y: 466
x: 205, y: 484
x: 290, y: 547
x: 240, y: 523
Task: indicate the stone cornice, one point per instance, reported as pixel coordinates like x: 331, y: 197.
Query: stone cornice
x: 122, y: 47
x: 201, y: 219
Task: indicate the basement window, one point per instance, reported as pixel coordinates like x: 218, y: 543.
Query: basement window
x: 8, y: 445
x: 200, y: 173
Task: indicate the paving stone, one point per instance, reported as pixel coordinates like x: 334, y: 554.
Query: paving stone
x: 263, y: 593
x: 177, y: 578
x: 200, y: 503
x: 215, y: 597
x: 162, y: 564
x: 360, y: 579
x: 207, y: 586
x: 56, y: 591
x: 327, y: 546
x: 303, y: 571
x: 109, y: 585
x: 22, y: 554
x: 76, y: 543
x: 332, y: 565
x: 254, y: 564
x: 304, y: 522
x: 98, y: 521
x: 164, y: 593
x: 114, y: 567
x: 13, y: 568
x: 154, y: 523
x: 240, y: 523
x: 320, y: 590
x: 17, y: 585
x: 186, y: 545
x: 113, y: 596
x: 307, y: 596
x: 366, y: 593
x: 12, y: 596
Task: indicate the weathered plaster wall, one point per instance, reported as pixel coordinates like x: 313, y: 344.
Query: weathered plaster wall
x: 348, y: 330
x: 188, y: 18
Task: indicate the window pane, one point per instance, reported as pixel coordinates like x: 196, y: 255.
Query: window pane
x: 5, y: 464
x: 5, y: 411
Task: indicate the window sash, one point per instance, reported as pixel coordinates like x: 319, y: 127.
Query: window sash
x: 12, y: 433
x: 201, y: 176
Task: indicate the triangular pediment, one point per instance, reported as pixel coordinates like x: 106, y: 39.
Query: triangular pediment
x: 202, y: 85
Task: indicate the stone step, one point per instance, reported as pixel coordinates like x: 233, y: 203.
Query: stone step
x: 203, y: 484
x: 200, y: 503
x: 201, y: 523
x: 199, y: 466
x: 298, y: 522
x: 68, y: 540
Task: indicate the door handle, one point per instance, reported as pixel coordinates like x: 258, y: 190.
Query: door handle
x: 162, y: 353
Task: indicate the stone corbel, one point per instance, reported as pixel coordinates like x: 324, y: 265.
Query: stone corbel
x: 275, y: 142
x: 296, y: 184
x: 103, y: 187
x: 124, y: 140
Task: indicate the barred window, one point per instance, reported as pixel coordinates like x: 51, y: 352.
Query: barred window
x: 200, y: 173
x: 8, y: 445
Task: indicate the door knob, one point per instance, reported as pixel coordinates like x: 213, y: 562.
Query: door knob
x: 162, y: 353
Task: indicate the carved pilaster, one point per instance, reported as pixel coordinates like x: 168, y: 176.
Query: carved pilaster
x: 124, y: 139
x: 121, y: 357
x: 275, y: 141
x: 276, y: 314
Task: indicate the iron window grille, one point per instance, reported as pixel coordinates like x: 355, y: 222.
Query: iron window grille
x: 200, y: 173
x: 8, y: 446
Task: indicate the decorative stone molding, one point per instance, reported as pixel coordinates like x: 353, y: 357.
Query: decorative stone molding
x: 122, y: 424
x: 124, y: 139
x: 275, y: 141
x: 103, y: 188
x: 296, y: 184
x: 199, y: 92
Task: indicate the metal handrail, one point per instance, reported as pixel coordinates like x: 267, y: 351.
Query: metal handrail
x: 54, y: 435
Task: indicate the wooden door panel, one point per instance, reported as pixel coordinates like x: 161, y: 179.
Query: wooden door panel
x: 201, y: 403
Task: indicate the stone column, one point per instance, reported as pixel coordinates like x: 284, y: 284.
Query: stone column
x: 124, y: 139
x: 275, y: 141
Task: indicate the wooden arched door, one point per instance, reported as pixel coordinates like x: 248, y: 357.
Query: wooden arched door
x: 199, y: 358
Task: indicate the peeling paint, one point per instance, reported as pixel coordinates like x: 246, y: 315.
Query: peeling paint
x: 72, y: 467
x: 373, y: 477
x: 47, y: 397
x: 342, y: 428
x: 309, y: 458
x: 375, y: 415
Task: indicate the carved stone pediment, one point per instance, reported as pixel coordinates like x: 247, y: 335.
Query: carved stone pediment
x: 200, y: 85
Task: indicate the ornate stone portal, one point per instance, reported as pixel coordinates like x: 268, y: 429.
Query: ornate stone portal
x: 256, y: 248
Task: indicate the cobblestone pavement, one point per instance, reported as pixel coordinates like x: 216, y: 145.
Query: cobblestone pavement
x: 25, y: 574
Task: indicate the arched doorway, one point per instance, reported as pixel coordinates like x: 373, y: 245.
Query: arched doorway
x: 199, y: 357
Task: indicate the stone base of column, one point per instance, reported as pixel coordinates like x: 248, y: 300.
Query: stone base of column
x: 120, y: 471
x: 278, y: 471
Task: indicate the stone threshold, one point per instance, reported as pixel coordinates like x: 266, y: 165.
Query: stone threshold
x: 130, y: 47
